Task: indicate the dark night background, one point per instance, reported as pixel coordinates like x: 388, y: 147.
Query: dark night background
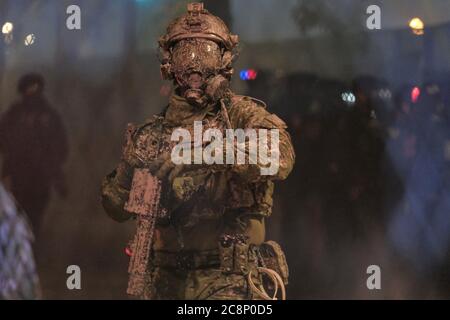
x: 368, y: 111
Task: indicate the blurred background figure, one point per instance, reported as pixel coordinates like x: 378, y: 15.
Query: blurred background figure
x: 34, y: 147
x: 18, y: 277
x: 420, y: 225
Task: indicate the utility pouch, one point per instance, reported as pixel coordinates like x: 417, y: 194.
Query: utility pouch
x: 273, y: 258
x: 241, y: 265
x: 226, y: 258
x: 234, y: 254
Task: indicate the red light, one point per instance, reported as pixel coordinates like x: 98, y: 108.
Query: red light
x: 128, y: 252
x: 415, y: 94
x: 249, y: 74
x: 252, y: 74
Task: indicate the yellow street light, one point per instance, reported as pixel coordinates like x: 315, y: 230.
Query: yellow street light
x: 7, y: 28
x: 417, y: 26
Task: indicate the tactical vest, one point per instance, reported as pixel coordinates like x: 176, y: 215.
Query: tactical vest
x: 222, y: 192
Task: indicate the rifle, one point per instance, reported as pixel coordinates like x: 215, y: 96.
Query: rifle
x: 144, y: 201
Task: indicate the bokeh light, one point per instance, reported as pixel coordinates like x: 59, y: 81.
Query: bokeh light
x: 415, y: 94
x: 417, y: 26
x: 29, y: 39
x: 248, y: 74
x: 7, y: 28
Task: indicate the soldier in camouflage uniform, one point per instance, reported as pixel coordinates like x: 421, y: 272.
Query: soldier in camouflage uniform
x: 211, y: 245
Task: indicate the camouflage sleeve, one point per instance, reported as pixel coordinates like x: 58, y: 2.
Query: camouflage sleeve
x: 116, y: 186
x: 115, y: 190
x: 248, y: 114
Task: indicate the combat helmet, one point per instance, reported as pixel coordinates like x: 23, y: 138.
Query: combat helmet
x: 198, y: 23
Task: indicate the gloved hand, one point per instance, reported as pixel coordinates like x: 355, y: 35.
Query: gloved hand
x: 184, y: 187
x: 184, y: 180
x: 164, y: 168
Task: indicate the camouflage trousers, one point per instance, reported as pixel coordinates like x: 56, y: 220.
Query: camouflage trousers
x: 200, y: 276
x: 200, y: 284
x: 233, y: 272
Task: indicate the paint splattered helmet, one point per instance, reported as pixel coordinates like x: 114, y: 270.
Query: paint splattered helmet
x: 198, y: 23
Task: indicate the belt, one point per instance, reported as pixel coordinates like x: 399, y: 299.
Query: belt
x: 186, y: 260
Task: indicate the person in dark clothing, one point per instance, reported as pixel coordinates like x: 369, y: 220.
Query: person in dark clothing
x: 33, y: 144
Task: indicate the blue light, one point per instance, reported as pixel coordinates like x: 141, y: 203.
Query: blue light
x: 248, y: 74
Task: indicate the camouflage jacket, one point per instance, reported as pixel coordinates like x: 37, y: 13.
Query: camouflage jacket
x: 220, y: 198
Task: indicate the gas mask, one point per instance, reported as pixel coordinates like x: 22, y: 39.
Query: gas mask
x: 197, y: 53
x: 196, y: 66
